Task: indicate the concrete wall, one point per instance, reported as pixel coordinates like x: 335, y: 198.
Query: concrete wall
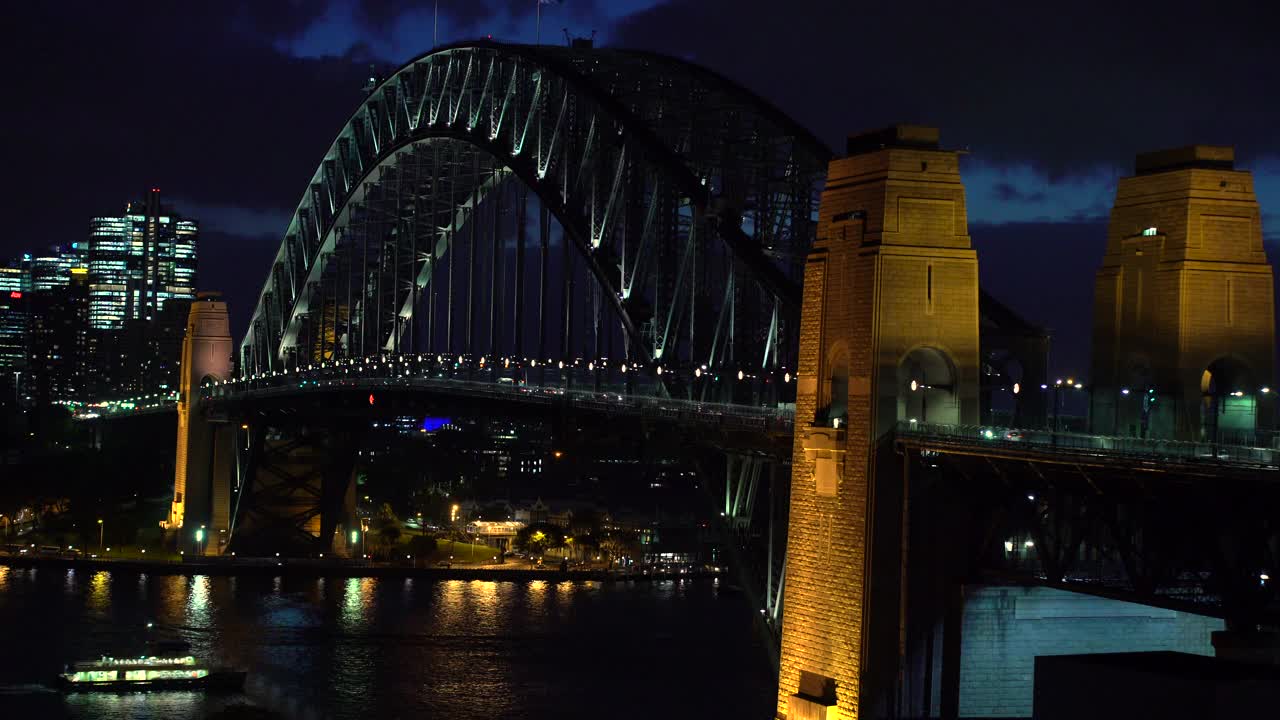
x: 1005, y: 628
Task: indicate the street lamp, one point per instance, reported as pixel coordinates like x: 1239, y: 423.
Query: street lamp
x: 199, y: 537
x: 100, y: 534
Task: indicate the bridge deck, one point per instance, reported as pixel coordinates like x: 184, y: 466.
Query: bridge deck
x: 1087, y: 450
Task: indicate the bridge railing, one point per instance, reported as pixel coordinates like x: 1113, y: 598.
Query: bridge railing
x: 553, y: 387
x: 1206, y: 451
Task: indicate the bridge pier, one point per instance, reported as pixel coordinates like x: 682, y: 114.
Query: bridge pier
x: 200, y: 514
x: 889, y: 332
x: 298, y: 494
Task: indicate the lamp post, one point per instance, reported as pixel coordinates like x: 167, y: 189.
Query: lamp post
x: 100, y: 526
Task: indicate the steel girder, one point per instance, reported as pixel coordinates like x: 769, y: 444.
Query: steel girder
x: 686, y: 206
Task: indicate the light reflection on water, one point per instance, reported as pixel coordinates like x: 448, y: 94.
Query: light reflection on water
x: 198, y: 602
x: 394, y: 648
x: 100, y: 593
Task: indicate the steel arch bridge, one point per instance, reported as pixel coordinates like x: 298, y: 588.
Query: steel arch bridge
x: 683, y: 208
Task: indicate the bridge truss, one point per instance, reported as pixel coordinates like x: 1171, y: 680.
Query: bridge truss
x: 550, y: 204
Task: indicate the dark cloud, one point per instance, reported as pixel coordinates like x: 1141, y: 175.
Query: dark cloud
x: 1006, y: 192
x: 1025, y: 266
x: 1066, y: 86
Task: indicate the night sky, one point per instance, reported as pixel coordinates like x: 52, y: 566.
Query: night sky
x: 229, y: 106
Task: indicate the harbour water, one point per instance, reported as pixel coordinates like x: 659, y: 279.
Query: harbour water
x: 320, y: 648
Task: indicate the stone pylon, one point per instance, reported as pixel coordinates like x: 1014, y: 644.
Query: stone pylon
x: 889, y: 333
x: 1184, y: 312
x: 200, y: 515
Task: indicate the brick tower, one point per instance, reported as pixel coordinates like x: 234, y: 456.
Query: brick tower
x: 889, y: 333
x: 1184, y: 317
x: 201, y: 476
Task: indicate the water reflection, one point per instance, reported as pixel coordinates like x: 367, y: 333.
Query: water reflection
x: 357, y: 599
x: 173, y: 599
x: 537, y: 590
x: 198, y: 602
x: 100, y: 592
x: 361, y: 647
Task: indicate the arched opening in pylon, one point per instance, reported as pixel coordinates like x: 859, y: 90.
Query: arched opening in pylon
x: 927, y: 388
x: 833, y: 400
x: 1228, y: 401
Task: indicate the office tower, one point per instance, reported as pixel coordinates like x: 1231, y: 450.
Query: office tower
x: 15, y: 291
x: 58, y: 339
x: 138, y: 262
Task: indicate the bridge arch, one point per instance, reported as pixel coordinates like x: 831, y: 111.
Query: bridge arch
x: 664, y: 179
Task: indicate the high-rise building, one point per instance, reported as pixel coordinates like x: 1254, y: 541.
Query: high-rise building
x: 52, y: 270
x: 58, y: 340
x: 15, y: 291
x: 138, y: 262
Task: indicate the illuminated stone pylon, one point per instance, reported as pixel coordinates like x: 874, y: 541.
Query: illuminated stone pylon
x: 889, y: 332
x: 200, y: 513
x: 1184, y: 315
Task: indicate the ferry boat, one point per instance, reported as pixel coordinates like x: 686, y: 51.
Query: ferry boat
x: 149, y: 673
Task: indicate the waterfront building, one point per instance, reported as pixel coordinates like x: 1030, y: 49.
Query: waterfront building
x: 500, y: 534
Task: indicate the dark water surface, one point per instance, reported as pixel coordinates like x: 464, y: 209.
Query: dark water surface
x: 392, y: 648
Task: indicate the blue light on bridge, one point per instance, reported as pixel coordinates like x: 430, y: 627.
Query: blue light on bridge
x: 433, y: 424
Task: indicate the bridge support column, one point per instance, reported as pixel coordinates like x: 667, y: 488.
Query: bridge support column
x: 200, y: 515
x: 888, y: 333
x: 299, y: 491
x: 741, y: 480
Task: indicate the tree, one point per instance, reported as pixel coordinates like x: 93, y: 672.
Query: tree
x: 422, y: 546
x: 386, y: 528
x: 535, y: 539
x: 620, y: 543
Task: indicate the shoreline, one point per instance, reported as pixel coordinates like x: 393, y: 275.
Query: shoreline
x: 318, y: 568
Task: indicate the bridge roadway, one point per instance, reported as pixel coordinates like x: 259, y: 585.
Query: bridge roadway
x: 772, y: 426
x: 637, y: 395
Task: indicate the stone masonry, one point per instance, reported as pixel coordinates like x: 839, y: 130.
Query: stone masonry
x: 892, y: 274
x: 1184, y: 284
